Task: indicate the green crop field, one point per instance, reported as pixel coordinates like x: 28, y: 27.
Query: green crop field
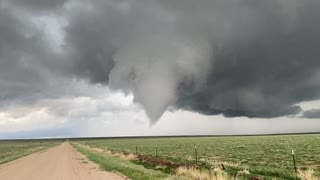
x: 268, y: 157
x: 11, y: 150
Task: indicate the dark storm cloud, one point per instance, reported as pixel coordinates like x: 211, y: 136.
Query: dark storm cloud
x: 27, y: 65
x: 312, y: 114
x: 35, y: 6
x: 97, y: 29
x: 89, y: 41
x: 19, y: 43
x: 236, y: 58
x: 268, y: 71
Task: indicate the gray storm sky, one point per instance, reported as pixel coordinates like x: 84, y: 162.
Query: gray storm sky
x: 113, y: 68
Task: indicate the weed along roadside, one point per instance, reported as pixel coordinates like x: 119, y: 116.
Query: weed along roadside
x: 256, y: 157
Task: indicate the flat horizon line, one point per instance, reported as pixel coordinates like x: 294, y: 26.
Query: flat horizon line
x: 156, y: 136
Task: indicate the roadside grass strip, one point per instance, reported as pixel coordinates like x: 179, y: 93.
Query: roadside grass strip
x: 127, y: 168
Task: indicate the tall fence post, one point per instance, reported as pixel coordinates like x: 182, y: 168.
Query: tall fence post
x: 156, y: 150
x: 294, y: 163
x: 196, y: 154
x: 136, y: 150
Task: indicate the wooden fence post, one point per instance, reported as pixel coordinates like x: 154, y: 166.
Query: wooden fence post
x: 196, y: 154
x: 294, y: 163
x: 136, y: 150
x: 156, y: 150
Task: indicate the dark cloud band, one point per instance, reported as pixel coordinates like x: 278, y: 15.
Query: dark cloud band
x: 263, y: 57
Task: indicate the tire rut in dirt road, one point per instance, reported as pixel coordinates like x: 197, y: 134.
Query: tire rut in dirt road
x: 59, y: 163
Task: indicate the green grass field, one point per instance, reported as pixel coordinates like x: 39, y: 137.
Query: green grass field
x: 11, y: 150
x: 268, y: 157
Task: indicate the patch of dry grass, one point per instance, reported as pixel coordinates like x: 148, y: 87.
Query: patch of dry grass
x: 192, y: 173
x: 119, y: 155
x: 122, y: 156
x: 225, y: 164
x: 243, y: 172
x: 307, y: 174
x: 218, y: 174
x: 127, y: 157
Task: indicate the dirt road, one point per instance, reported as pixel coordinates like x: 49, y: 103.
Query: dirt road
x: 59, y: 163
